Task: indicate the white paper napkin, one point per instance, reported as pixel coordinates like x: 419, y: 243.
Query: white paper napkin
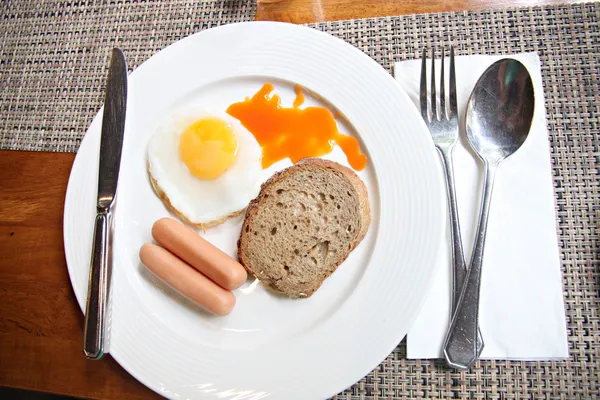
x: 521, y: 313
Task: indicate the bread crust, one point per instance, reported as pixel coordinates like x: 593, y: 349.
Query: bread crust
x: 364, y: 207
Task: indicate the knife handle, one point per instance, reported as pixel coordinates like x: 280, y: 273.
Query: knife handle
x: 94, y: 331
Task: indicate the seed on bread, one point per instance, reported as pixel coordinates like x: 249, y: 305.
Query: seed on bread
x: 302, y: 226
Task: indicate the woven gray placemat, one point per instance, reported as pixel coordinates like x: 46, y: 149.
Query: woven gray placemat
x: 567, y: 38
x: 54, y: 57
x: 52, y: 80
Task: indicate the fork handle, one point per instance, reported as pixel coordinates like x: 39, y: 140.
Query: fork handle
x: 459, y: 266
x: 458, y: 256
x: 460, y: 346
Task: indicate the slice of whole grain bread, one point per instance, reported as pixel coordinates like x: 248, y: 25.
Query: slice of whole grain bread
x: 302, y: 226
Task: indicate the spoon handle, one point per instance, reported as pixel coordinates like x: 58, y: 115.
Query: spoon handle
x: 459, y: 266
x: 460, y: 346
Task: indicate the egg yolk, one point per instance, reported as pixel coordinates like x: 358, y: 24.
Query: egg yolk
x: 208, y: 148
x: 293, y: 132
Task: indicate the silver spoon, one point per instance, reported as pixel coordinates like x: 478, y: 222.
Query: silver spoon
x: 499, y: 115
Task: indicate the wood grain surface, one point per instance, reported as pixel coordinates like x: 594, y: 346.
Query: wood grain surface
x: 40, y: 321
x: 305, y: 11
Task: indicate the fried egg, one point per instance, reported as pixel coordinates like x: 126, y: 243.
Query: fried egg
x: 204, y: 166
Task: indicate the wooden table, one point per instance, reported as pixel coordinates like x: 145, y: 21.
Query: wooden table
x: 40, y: 321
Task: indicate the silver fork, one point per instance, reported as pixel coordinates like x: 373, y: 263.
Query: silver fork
x: 443, y: 127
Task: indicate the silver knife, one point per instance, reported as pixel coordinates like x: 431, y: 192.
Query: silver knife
x: 111, y: 143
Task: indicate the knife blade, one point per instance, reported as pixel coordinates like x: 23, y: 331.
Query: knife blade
x: 111, y: 143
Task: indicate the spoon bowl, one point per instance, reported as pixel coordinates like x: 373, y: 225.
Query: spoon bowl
x: 500, y: 110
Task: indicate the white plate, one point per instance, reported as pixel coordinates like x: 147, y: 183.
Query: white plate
x: 269, y: 346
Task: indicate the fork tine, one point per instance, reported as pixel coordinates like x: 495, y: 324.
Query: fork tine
x: 434, y: 115
x: 442, y: 90
x: 453, y: 102
x: 424, y: 112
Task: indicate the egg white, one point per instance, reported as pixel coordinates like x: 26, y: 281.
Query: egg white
x: 203, y: 203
